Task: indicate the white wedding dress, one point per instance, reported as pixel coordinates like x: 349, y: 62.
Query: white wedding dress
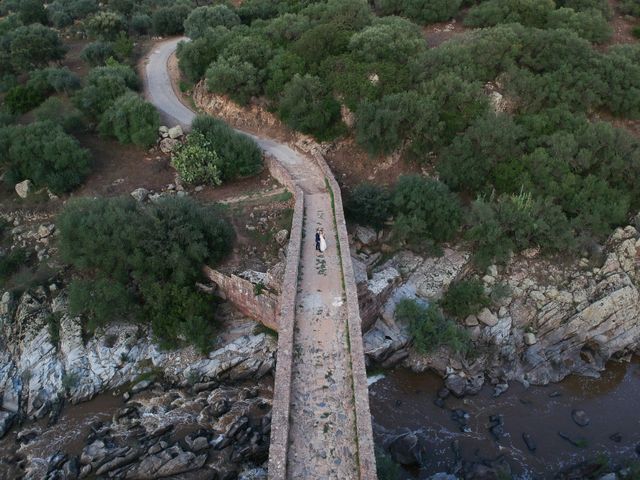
x: 323, y: 243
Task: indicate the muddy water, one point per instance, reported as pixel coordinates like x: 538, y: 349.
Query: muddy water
x: 404, y: 400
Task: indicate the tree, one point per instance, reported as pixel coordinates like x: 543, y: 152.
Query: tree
x: 97, y: 53
x: 430, y: 11
x: 194, y: 57
x: 234, y: 77
x: 143, y: 262
x: 425, y: 209
x: 106, y: 25
x: 464, y: 298
x: 43, y: 153
x: 131, y: 120
x: 51, y: 79
x: 104, y: 85
x: 281, y: 69
x: 388, y: 39
x: 201, y: 19
x: 34, y: 46
x: 239, y: 155
x: 32, y: 11
x: 197, y: 161
x: 57, y: 111
x: 20, y: 99
x: 169, y: 20
x: 307, y: 105
x: 369, y: 204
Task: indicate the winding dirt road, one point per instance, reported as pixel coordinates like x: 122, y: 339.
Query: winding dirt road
x: 322, y: 439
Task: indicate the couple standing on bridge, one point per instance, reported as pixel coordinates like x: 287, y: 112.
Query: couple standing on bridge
x: 321, y: 243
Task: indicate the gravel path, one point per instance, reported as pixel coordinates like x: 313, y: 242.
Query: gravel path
x: 322, y: 434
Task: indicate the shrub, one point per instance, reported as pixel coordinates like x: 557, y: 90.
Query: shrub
x: 97, y: 53
x: 10, y: 263
x: 430, y: 11
x: 636, y: 31
x: 307, y: 105
x: 369, y: 204
x: 141, y: 24
x: 49, y: 80
x: 143, y: 262
x: 57, y: 111
x: 239, y: 155
x: 196, y: 160
x: 32, y: 11
x: 131, y: 120
x: 45, y: 154
x: 464, y: 298
x: 21, y: 99
x: 63, y: 12
x: 202, y: 19
x: 195, y: 57
x: 430, y: 329
x: 425, y: 209
x: 169, y: 20
x: 386, y: 468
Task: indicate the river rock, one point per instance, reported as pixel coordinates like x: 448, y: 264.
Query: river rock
x: 253, y: 474
x: 488, y: 318
x: 529, y: 442
x: 282, y: 237
x: 366, y: 235
x: 168, y: 145
x: 405, y: 449
x: 529, y: 338
x: 24, y: 188
x: 580, y: 418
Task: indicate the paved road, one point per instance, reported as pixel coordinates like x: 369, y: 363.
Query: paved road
x: 322, y: 435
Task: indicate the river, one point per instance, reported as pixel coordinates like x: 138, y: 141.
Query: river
x: 404, y: 400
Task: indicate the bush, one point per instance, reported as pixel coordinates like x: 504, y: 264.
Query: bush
x: 10, y: 263
x: 141, y: 24
x: 97, y: 53
x: 32, y: 11
x: 464, y: 298
x: 307, y: 105
x: 195, y: 57
x: 369, y: 204
x: 430, y: 329
x: 57, y: 111
x: 202, y: 19
x: 238, y: 154
x: 131, y: 120
x: 430, y: 11
x: 44, y: 154
x: 64, y: 12
x: 169, y: 20
x: 143, y: 262
x: 425, y: 209
x: 196, y: 160
x: 49, y: 80
x: 21, y: 99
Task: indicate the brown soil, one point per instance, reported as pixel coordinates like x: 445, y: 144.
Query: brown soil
x: 622, y: 26
x: 438, y: 33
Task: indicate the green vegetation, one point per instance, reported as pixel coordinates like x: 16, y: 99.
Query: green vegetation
x: 386, y: 468
x: 369, y: 204
x: 430, y: 329
x: 58, y: 111
x: 426, y: 210
x: 143, y: 262
x: 464, y: 298
x: 197, y: 161
x: 238, y: 155
x: 131, y: 120
x: 43, y: 153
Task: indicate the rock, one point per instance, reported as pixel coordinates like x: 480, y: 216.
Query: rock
x: 456, y: 385
x: 140, y: 194
x: 405, y: 449
x: 616, y: 437
x: 198, y: 444
x: 529, y: 442
x: 257, y: 278
x: 45, y: 230
x: 5, y: 303
x: 609, y: 476
x: 366, y: 235
x: 281, y: 237
x: 6, y: 421
x: 487, y: 317
x: 24, y: 188
x: 168, y: 145
x: 580, y: 418
x: 529, y: 338
x: 442, y: 476
x: 163, y: 129
x: 140, y: 386
x: 253, y: 474
x: 175, y: 132
x: 471, y: 321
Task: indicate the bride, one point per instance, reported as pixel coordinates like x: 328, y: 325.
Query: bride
x: 323, y: 242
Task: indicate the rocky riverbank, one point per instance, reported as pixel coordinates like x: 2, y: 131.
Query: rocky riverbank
x: 45, y: 362
x: 553, y: 318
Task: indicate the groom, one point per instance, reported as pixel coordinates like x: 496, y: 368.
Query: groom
x: 317, y: 239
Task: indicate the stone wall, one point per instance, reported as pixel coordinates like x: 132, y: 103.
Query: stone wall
x: 241, y: 294
x: 286, y: 319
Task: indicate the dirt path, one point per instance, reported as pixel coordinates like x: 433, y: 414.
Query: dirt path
x: 322, y: 433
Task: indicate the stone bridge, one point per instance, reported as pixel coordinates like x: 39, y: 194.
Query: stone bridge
x: 321, y: 424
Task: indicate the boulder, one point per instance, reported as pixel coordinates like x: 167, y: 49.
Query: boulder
x: 366, y: 235
x: 175, y: 132
x: 140, y: 194
x: 6, y: 421
x: 281, y: 237
x: 487, y: 317
x: 529, y: 339
x: 24, y: 188
x: 168, y: 145
x: 253, y: 474
x: 45, y: 230
x: 406, y: 450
